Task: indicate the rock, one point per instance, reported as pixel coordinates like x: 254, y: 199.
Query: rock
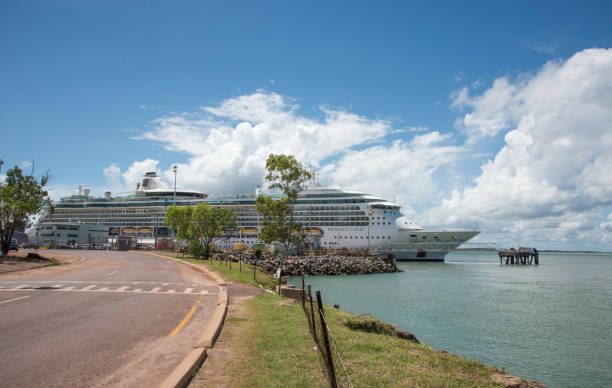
x: 324, y: 265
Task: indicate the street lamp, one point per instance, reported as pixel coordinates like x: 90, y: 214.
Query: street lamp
x: 174, y: 169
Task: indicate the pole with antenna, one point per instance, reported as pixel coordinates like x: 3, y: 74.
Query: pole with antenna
x: 174, y: 168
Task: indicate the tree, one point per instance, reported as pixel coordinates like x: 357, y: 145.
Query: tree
x: 20, y: 197
x: 199, y: 226
x: 283, y: 172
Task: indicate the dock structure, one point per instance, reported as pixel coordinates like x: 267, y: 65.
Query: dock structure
x: 522, y: 256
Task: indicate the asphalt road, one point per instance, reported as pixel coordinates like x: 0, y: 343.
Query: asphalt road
x: 108, y: 319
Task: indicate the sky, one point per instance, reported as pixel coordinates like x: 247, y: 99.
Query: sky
x: 494, y: 115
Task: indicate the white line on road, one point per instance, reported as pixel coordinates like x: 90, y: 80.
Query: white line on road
x: 111, y: 273
x: 188, y: 290
x: 106, y: 289
x: 88, y: 287
x: 22, y: 286
x: 12, y: 300
x: 57, y: 285
x: 156, y: 289
x: 123, y: 288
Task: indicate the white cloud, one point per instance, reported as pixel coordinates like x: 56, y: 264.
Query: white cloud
x: 402, y: 170
x: 553, y: 173
x: 25, y: 164
x: 228, y: 144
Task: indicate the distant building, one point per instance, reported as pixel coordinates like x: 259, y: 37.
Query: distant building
x: 57, y: 234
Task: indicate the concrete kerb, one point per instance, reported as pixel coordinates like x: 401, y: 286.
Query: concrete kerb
x: 183, y: 373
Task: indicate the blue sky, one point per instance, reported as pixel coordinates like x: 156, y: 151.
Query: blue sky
x: 90, y: 89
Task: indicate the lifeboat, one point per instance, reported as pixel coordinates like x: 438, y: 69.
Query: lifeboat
x: 249, y: 231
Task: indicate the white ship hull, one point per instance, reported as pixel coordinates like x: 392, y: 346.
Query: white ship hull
x: 335, y: 219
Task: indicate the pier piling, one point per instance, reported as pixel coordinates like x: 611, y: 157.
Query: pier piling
x: 522, y: 256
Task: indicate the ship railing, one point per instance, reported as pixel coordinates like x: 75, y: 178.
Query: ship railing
x: 418, y: 246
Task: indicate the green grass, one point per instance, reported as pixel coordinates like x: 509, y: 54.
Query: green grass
x: 234, y: 274
x: 280, y: 350
x: 271, y: 346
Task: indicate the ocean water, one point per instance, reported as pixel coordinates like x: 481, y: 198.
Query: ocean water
x: 551, y: 322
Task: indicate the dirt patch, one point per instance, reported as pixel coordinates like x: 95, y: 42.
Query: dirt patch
x: 29, y: 259
x: 227, y: 349
x: 515, y: 382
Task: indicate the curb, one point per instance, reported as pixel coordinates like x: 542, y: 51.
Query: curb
x: 182, y: 374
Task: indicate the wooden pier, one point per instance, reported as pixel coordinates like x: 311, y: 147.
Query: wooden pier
x: 522, y: 256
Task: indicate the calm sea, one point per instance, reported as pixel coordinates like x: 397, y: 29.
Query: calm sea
x: 551, y: 322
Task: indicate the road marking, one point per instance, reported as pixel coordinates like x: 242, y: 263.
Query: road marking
x: 185, y: 320
x: 88, y: 287
x: 57, y: 285
x: 203, y: 292
x: 111, y: 273
x: 155, y: 289
x: 20, y: 287
x: 170, y: 291
x: 120, y: 289
x: 12, y: 300
x: 11, y: 284
x: 67, y: 289
x: 138, y: 290
x: 103, y: 289
x: 188, y: 290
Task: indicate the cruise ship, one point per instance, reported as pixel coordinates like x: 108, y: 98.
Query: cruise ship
x: 332, y: 219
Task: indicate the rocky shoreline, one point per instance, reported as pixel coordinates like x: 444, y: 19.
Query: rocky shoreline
x: 324, y: 264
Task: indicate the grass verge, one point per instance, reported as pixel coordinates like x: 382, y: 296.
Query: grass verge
x: 234, y: 273
x: 275, y: 349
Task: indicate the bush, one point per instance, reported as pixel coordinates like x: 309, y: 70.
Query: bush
x: 373, y: 325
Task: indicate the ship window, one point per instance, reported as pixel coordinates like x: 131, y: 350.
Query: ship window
x: 377, y: 237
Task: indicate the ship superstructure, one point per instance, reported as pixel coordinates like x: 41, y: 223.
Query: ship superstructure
x: 332, y: 219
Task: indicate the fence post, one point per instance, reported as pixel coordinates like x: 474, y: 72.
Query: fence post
x: 312, y: 318
x: 303, y: 294
x: 329, y: 362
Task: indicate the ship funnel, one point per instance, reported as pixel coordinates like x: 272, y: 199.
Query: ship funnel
x: 107, y: 194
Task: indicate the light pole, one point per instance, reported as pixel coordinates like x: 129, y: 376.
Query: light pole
x: 174, y: 169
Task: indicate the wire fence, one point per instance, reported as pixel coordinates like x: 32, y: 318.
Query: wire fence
x: 323, y: 338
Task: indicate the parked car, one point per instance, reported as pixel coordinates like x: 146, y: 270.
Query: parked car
x: 14, y: 244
